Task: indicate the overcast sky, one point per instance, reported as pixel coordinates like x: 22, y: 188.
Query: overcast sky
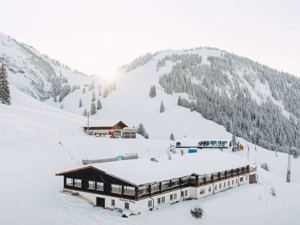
x: 97, y: 36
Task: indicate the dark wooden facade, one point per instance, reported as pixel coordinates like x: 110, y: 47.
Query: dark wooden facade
x: 118, y: 126
x: 90, y: 173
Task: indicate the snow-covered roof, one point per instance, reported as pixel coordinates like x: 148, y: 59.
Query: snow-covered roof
x: 143, y: 171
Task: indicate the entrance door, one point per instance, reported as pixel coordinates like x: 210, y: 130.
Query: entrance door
x: 126, y: 205
x: 100, y: 202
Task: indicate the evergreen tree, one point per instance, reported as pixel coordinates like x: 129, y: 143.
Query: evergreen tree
x: 93, y: 108
x: 4, y: 88
x: 80, y: 103
x: 179, y: 101
x: 172, y: 137
x: 152, y: 92
x: 84, y: 112
x: 94, y: 96
x: 92, y: 86
x: 105, y: 93
x: 83, y: 90
x: 142, y: 131
x: 162, y: 107
x: 99, y: 105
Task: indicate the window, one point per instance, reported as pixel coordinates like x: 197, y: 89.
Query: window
x: 165, y: 184
x: 171, y: 197
x: 100, y: 186
x: 143, y: 190
x: 69, y: 181
x: 241, y: 179
x: 154, y: 187
x: 220, y: 185
x: 113, y: 203
x: 163, y: 199
x: 116, y: 188
x: 192, y: 180
x: 185, y: 192
x: 209, y: 189
x: 128, y: 190
x: 224, y: 184
x: 182, y: 194
x: 150, y: 203
x: 175, y: 196
x: 174, y: 182
x: 202, y: 191
x: 92, y: 185
x: 232, y: 181
x: 216, y: 187
x: 184, y: 180
x: 126, y: 205
x: 77, y: 183
x: 158, y: 201
x: 228, y: 183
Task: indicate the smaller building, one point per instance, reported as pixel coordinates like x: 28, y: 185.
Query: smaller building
x: 193, y: 146
x: 110, y: 128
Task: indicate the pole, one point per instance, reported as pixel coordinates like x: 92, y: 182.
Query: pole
x: 288, y: 177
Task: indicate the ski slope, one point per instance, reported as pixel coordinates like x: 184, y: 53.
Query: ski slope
x: 38, y: 141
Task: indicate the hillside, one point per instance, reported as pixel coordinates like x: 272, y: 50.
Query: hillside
x: 248, y: 99
x: 37, y: 141
x: 36, y: 74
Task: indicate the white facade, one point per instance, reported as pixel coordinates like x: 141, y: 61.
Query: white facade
x: 166, y: 198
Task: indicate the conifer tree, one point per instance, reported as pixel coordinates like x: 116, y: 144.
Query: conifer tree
x: 92, y: 86
x: 142, y: 131
x: 80, y: 103
x: 4, y: 88
x: 172, y: 137
x: 84, y: 112
x: 152, y: 92
x: 94, y: 96
x: 99, y: 105
x: 179, y: 101
x: 83, y: 90
x: 93, y: 109
x: 162, y: 107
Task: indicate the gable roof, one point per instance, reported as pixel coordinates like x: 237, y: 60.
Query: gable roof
x: 144, y: 171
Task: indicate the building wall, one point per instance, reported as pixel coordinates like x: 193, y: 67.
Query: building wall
x: 141, y: 205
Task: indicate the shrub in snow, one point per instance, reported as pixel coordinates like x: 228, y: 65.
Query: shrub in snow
x: 265, y: 166
x: 197, y: 212
x: 273, y: 192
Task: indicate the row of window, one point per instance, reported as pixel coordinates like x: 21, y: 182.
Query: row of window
x: 99, y: 186
x: 202, y: 190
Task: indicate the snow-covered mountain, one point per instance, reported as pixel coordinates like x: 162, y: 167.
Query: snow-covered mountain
x: 36, y: 74
x: 39, y: 139
x: 249, y: 99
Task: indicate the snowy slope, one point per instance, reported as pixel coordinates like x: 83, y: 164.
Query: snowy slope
x: 30, y: 193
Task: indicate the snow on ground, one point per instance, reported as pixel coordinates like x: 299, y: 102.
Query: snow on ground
x: 30, y: 192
